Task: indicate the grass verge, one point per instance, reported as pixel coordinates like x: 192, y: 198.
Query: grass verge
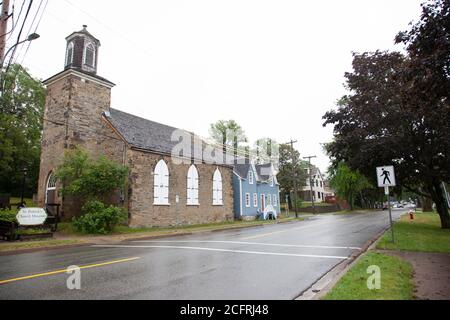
x: 422, y: 234
x: 67, y: 229
x: 17, y: 246
x: 396, y: 280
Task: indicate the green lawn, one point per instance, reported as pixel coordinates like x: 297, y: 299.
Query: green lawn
x: 396, y: 280
x: 424, y: 234
x: 12, y: 246
x: 29, y: 202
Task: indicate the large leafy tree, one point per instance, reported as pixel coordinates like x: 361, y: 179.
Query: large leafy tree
x: 398, y: 110
x: 292, y: 170
x: 228, y: 134
x: 22, y: 100
x: 266, y: 150
x: 348, y: 183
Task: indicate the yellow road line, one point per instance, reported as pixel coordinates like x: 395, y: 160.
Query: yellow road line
x: 65, y: 270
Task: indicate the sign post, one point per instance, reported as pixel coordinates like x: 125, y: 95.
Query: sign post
x: 386, y: 179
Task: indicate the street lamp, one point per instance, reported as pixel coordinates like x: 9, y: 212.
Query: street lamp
x: 31, y: 37
x: 24, y: 174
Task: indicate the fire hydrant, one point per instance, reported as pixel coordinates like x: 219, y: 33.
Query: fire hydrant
x: 411, y: 214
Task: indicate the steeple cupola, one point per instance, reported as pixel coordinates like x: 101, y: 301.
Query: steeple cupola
x: 82, y: 51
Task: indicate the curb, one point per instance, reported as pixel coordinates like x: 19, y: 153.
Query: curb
x: 38, y: 249
x: 324, y: 284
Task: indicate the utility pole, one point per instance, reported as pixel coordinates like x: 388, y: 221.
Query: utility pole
x: 3, y: 27
x: 311, y: 182
x: 294, y: 176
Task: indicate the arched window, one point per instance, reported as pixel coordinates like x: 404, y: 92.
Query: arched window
x: 217, y: 188
x: 50, y: 189
x: 89, y: 55
x: 69, y: 54
x: 192, y: 186
x: 161, y: 184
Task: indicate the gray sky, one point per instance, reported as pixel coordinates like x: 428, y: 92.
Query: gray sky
x: 274, y: 66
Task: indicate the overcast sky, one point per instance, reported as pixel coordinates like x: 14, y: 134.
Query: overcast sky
x: 274, y: 66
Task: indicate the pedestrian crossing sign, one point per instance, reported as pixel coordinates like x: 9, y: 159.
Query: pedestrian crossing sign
x: 386, y: 176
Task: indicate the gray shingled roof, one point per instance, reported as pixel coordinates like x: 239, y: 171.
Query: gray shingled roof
x: 263, y: 171
x: 242, y: 170
x: 149, y: 135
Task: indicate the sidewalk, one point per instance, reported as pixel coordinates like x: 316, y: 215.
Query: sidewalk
x: 431, y: 275
x: 415, y: 266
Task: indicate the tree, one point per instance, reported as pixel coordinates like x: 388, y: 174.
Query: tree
x: 90, y: 179
x: 348, y: 183
x: 398, y: 112
x: 266, y: 150
x: 291, y: 169
x: 228, y: 134
x: 21, y: 114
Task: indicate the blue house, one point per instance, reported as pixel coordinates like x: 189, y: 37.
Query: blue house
x: 256, y: 191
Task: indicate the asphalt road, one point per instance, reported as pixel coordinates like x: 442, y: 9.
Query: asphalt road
x: 270, y: 262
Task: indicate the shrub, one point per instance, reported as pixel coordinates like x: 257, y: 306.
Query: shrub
x: 98, y: 219
x: 8, y: 215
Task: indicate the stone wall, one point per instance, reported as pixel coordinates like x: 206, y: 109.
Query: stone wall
x: 73, y: 117
x: 144, y: 213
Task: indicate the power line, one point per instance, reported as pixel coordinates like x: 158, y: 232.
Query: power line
x: 18, y: 37
x: 35, y: 29
x: 311, y: 182
x: 112, y: 30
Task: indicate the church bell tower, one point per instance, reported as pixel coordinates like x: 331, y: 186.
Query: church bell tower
x: 76, y: 100
x: 82, y: 51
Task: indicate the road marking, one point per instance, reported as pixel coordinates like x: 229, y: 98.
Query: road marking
x: 249, y: 243
x: 281, y: 231
x: 224, y: 250
x: 65, y: 270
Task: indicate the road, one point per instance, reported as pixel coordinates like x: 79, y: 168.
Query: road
x: 271, y: 262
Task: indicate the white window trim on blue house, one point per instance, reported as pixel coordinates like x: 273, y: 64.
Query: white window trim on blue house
x: 275, y: 200
x: 250, y: 177
x: 255, y: 200
x: 247, y: 200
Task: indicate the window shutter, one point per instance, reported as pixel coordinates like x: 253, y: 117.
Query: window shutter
x: 161, y: 183
x: 217, y: 188
x: 192, y: 186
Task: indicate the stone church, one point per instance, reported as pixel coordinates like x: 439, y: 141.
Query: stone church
x: 160, y: 191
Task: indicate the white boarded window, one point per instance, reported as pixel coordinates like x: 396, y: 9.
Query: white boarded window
x: 217, y: 188
x: 89, y: 55
x: 192, y: 186
x: 269, y: 200
x: 250, y: 177
x: 69, y: 54
x: 275, y: 200
x: 161, y: 184
x: 247, y: 200
x: 255, y: 200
